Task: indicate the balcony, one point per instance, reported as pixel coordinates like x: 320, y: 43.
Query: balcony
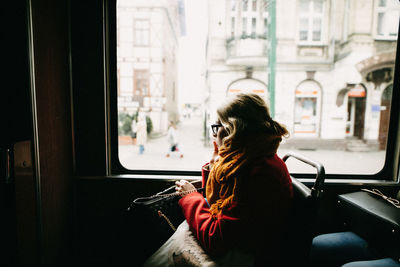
x: 247, y: 51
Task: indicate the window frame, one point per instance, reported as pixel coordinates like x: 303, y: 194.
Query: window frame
x: 346, y: 19
x: 139, y: 31
x: 250, y: 16
x: 136, y: 74
x: 382, y: 10
x: 114, y: 167
x: 310, y: 15
x: 388, y: 175
x: 255, y: 20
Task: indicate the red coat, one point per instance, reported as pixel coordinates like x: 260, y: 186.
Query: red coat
x: 259, y: 218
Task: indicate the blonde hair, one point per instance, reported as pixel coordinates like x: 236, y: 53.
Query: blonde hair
x: 251, y: 134
x: 248, y: 114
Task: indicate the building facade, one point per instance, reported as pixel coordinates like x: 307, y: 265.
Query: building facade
x: 333, y: 73
x: 147, y: 40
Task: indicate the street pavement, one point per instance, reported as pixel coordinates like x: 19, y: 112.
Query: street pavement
x: 195, y: 154
x: 191, y: 145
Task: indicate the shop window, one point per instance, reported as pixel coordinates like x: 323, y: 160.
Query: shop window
x: 307, y: 103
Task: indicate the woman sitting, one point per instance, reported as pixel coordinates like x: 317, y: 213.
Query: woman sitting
x: 248, y: 187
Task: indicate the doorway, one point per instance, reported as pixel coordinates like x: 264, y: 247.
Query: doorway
x: 355, y: 117
x: 386, y: 100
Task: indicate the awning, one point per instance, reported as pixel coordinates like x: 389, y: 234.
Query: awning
x: 357, y: 91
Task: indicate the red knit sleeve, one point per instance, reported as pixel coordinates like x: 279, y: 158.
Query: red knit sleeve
x: 216, y: 235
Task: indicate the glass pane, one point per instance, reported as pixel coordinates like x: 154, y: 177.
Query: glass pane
x: 303, y: 35
x: 391, y: 25
x: 335, y: 100
x: 305, y: 115
x: 317, y: 6
x: 303, y: 29
x: 254, y: 5
x: 253, y: 27
x: 265, y: 27
x: 380, y: 24
x: 304, y: 5
x: 233, y: 5
x: 316, y: 29
x: 245, y: 5
x: 141, y: 82
x: 265, y: 5
x: 232, y: 27
x: 141, y: 32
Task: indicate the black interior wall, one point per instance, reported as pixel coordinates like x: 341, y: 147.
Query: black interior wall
x: 15, y: 117
x: 88, y: 87
x: 15, y: 97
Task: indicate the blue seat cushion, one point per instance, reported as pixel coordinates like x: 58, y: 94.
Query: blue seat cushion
x: 336, y: 249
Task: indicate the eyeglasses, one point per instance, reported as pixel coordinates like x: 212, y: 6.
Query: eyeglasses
x: 215, y: 127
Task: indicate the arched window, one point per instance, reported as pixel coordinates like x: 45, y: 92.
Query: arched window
x: 307, y: 109
x: 249, y: 85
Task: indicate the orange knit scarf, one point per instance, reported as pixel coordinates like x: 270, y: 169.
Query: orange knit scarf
x: 223, y: 184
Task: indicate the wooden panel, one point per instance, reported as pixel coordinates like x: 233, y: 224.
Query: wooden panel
x: 54, y: 131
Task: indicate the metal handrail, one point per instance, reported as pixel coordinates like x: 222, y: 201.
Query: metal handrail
x: 317, y: 188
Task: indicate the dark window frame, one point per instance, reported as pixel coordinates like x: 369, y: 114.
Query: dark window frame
x: 387, y: 174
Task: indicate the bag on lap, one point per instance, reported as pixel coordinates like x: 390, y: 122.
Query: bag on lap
x: 147, y: 223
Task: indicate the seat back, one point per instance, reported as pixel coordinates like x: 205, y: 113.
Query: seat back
x: 304, y: 213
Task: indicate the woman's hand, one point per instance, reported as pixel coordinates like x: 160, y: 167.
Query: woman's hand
x: 183, y: 187
x: 214, y: 157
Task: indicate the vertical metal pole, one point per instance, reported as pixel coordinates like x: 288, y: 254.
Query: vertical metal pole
x: 106, y: 72
x: 35, y: 146
x: 272, y: 54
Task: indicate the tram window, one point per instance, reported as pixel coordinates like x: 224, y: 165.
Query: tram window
x: 177, y: 60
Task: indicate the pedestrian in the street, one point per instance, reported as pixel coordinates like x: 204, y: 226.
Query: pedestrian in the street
x: 133, y: 130
x: 173, y: 140
x: 248, y: 193
x: 141, y: 133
